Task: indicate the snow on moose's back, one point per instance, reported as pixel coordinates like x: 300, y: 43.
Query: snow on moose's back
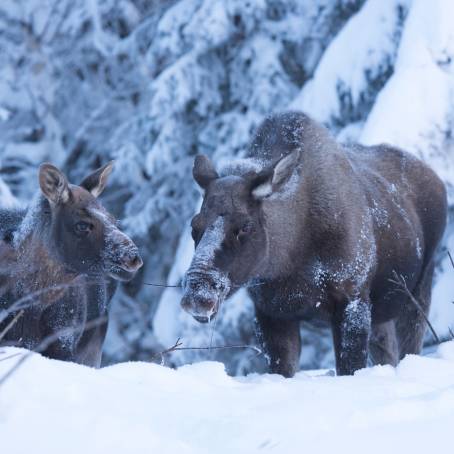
x: 141, y: 407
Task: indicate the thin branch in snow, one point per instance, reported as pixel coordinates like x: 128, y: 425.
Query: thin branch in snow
x: 451, y: 259
x: 24, y: 302
x: 223, y: 347
x: 48, y: 341
x: 451, y: 333
x: 11, y: 324
x: 177, y: 344
x: 452, y: 264
x: 178, y: 347
x: 399, y: 280
x: 10, y: 356
x: 433, y: 343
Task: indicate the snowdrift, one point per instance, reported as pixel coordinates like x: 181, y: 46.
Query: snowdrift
x: 53, y: 407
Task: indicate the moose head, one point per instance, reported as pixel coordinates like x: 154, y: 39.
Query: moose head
x: 82, y: 234
x: 230, y: 235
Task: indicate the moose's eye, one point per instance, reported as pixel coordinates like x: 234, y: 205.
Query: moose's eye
x: 82, y: 227
x: 244, y: 230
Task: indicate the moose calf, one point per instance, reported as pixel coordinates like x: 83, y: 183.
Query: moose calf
x: 60, y: 260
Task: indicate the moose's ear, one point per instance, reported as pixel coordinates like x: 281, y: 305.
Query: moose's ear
x: 271, y: 181
x: 53, y: 183
x: 96, y: 181
x: 203, y: 171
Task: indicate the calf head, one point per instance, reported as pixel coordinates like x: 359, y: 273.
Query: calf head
x: 82, y: 234
x: 230, y: 233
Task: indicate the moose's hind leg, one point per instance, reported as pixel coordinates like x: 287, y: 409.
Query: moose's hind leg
x: 410, y: 324
x: 383, y: 345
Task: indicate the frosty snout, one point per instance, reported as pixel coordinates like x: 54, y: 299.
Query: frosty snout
x: 201, y: 308
x: 122, y: 256
x: 126, y: 255
x: 201, y: 299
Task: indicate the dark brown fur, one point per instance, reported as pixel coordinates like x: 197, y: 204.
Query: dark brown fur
x: 65, y: 254
x: 322, y: 227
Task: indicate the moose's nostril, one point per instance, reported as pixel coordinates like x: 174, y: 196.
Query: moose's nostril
x: 137, y: 261
x: 133, y: 262
x: 185, y: 303
x: 194, y: 285
x: 206, y: 304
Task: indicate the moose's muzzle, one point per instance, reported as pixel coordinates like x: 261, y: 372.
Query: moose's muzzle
x: 203, y: 295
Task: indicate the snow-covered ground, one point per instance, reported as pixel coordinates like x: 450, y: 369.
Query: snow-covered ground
x: 55, y: 407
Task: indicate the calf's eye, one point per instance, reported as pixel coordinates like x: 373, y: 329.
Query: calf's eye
x: 246, y: 228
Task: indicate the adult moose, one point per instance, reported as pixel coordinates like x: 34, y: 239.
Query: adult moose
x: 61, y: 259
x: 322, y: 228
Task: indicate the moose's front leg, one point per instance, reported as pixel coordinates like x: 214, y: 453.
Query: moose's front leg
x: 351, y: 325
x: 281, y: 342
x: 60, y: 349
x: 60, y: 330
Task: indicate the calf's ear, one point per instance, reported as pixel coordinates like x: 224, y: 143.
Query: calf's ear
x: 272, y: 180
x: 97, y: 181
x: 203, y: 171
x: 54, y: 184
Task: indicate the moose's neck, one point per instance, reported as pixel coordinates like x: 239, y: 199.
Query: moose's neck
x: 37, y: 265
x: 294, y: 219
x: 37, y: 268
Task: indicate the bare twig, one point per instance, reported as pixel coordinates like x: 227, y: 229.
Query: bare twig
x: 24, y: 302
x: 451, y: 333
x: 399, y: 280
x: 177, y: 344
x: 10, y: 356
x: 11, y: 324
x: 432, y: 343
x: 49, y: 340
x: 223, y: 347
x: 451, y: 259
x: 178, y: 347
